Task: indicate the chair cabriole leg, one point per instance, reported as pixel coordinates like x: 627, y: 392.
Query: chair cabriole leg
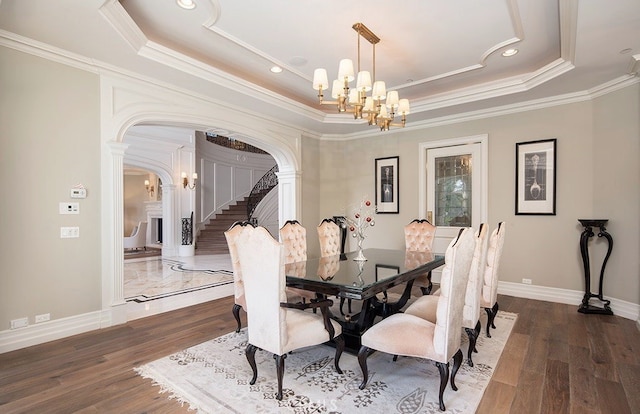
x: 362, y: 360
x: 250, y: 353
x: 280, y: 372
x: 339, y: 340
x: 443, y: 367
x: 457, y: 361
x: 236, y: 315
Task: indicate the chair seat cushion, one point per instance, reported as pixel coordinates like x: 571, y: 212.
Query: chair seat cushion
x: 424, y: 307
x: 403, y: 334
x: 308, y: 327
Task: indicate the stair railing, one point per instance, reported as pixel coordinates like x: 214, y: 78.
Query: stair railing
x: 261, y: 189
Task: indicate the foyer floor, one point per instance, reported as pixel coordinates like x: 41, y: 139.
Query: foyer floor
x: 151, y: 278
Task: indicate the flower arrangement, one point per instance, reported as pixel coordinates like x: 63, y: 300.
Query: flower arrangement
x: 358, y: 224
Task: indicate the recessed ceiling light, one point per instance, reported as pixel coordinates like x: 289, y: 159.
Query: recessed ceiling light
x: 186, y: 4
x: 276, y: 69
x: 509, y: 52
x: 625, y: 51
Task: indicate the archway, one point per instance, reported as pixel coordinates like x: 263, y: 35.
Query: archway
x: 126, y: 104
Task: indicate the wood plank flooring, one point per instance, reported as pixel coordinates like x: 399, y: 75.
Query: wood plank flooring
x: 556, y: 361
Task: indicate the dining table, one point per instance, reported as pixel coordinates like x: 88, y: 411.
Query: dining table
x: 363, y: 282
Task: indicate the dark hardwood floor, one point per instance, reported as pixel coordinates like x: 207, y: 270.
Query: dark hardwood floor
x: 556, y: 361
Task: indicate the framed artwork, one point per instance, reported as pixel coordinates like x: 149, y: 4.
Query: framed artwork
x: 536, y: 177
x: 387, y: 191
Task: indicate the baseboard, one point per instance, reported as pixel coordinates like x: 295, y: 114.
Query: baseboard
x: 619, y: 307
x: 13, y: 339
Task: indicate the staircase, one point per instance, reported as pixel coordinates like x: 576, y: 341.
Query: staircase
x: 211, y: 239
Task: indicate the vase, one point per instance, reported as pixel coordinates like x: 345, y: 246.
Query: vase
x: 360, y: 257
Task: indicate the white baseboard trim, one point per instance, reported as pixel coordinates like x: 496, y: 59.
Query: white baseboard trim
x: 619, y: 307
x: 13, y: 339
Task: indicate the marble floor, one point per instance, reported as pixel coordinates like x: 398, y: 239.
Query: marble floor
x: 152, y: 278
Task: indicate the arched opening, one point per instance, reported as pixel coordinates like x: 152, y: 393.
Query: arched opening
x: 142, y: 105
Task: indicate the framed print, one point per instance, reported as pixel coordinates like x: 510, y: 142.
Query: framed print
x: 387, y: 191
x: 536, y: 177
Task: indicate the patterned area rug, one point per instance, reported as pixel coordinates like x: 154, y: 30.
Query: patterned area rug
x: 213, y: 377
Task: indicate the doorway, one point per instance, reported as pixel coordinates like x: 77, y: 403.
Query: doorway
x: 453, y: 185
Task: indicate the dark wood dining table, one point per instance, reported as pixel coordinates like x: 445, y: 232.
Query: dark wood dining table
x: 362, y: 281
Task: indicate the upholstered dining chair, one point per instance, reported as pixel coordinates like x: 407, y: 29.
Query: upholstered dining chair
x: 418, y: 237
x: 426, y: 306
x: 293, y: 237
x: 238, y: 285
x: 489, y: 299
x: 329, y: 235
x: 274, y: 325
x: 138, y: 237
x: 332, y: 244
x: 409, y: 335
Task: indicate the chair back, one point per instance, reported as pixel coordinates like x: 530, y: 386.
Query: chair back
x: 262, y: 262
x: 293, y: 236
x: 471, y: 313
x: 329, y: 236
x: 238, y: 285
x: 418, y: 235
x: 494, y: 253
x: 453, y: 284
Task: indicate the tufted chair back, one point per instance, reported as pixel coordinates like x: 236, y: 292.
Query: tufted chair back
x: 471, y: 314
x: 329, y: 235
x: 494, y: 253
x: 418, y: 235
x: 294, y: 238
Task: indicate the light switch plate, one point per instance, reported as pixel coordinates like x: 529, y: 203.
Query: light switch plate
x: 69, y: 232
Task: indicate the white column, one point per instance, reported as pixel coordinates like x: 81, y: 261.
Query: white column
x: 113, y: 250
x: 289, y: 184
x: 171, y: 219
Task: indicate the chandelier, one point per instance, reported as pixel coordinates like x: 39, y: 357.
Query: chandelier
x: 380, y: 108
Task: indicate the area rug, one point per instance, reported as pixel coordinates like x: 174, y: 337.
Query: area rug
x: 213, y: 377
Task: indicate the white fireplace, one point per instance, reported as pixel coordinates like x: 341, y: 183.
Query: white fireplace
x: 154, y: 218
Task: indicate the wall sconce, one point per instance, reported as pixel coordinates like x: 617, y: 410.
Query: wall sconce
x: 150, y: 188
x: 185, y: 181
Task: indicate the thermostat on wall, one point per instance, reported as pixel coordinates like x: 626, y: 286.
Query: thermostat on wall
x: 78, y: 193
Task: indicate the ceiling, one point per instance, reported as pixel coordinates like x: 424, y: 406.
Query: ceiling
x: 444, y: 56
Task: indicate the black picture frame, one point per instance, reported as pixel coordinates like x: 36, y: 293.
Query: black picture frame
x: 387, y: 172
x: 536, y: 163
